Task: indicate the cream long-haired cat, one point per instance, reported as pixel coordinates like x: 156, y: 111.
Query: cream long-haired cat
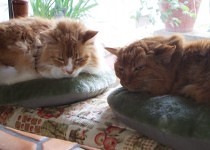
x: 34, y: 47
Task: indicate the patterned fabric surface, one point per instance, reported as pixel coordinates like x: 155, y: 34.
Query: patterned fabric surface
x: 89, y: 122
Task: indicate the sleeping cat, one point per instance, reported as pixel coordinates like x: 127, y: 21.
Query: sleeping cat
x: 34, y: 47
x: 165, y: 65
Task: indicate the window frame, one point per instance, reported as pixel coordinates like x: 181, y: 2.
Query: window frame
x: 10, y: 9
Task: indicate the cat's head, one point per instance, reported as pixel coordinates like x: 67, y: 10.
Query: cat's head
x: 68, y: 49
x: 141, y: 66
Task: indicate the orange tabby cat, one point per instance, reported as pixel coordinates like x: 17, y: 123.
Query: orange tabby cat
x: 165, y: 65
x: 34, y: 47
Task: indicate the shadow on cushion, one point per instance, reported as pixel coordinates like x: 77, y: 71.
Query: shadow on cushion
x: 50, y: 92
x: 174, y: 121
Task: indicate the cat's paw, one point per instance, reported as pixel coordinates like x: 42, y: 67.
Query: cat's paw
x: 197, y: 93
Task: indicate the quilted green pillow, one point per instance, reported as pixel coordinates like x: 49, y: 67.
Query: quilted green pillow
x: 49, y: 92
x: 174, y: 121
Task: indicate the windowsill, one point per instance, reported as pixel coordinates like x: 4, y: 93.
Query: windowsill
x: 194, y: 35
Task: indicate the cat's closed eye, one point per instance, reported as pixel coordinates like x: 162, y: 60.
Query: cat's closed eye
x: 80, y: 60
x: 59, y: 60
x: 121, y: 69
x: 139, y: 68
x: 39, y: 46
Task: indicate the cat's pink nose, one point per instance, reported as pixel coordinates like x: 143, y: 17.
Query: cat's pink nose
x: 67, y: 70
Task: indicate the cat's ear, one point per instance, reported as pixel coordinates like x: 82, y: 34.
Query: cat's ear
x: 175, y: 40
x: 87, y: 35
x: 114, y: 51
x: 47, y: 37
x: 164, y: 52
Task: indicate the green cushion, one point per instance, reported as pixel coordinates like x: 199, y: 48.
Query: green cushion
x: 48, y: 92
x: 172, y: 120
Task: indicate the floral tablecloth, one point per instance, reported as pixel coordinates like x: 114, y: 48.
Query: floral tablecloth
x: 90, y: 122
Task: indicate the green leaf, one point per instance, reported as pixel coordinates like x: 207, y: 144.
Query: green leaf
x: 71, y: 8
x: 185, y: 8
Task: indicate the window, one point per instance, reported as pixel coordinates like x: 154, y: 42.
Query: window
x: 4, y: 10
x: 121, y: 21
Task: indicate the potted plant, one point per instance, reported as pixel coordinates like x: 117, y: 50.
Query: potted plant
x: 146, y: 13
x: 76, y: 9
x: 179, y: 15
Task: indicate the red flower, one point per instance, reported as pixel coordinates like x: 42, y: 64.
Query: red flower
x: 110, y: 143
x: 99, y: 138
x: 50, y: 113
x: 113, y: 130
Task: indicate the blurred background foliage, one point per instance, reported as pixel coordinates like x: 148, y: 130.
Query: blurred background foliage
x: 76, y: 9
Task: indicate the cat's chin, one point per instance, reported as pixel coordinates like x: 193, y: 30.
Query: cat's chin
x: 133, y: 89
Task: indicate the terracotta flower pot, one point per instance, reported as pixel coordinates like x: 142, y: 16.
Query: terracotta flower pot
x: 20, y: 8
x: 186, y: 22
